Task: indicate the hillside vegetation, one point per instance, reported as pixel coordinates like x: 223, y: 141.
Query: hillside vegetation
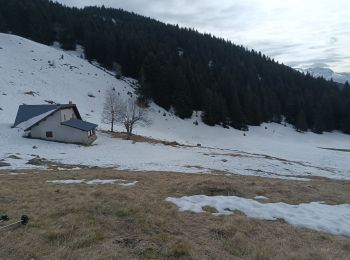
x: 182, y: 69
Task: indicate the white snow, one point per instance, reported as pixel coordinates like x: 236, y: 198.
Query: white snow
x: 271, y: 150
x: 334, y: 219
x: 98, y: 181
x: 66, y: 181
x: 17, y: 173
x: 68, y: 169
x: 260, y: 198
x: 14, y: 174
x: 94, y: 182
x: 128, y: 184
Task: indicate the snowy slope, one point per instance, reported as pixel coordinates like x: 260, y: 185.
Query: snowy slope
x: 31, y: 73
x: 42, y: 73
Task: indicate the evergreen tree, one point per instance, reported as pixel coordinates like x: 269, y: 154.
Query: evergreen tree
x: 3, y: 25
x: 214, y: 111
x: 181, y: 96
x: 237, y: 119
x: 301, y: 124
x: 346, y: 89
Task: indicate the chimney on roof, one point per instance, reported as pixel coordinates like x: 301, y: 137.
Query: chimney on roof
x: 70, y: 102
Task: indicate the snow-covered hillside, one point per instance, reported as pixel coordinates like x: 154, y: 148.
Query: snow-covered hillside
x: 31, y: 73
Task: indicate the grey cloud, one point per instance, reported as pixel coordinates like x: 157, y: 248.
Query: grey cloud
x: 333, y: 40
x: 320, y: 65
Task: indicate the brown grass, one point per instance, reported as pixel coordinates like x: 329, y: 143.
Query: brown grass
x: 133, y: 138
x: 143, y: 139
x: 114, y: 222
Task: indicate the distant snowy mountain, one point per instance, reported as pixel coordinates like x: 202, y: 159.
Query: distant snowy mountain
x: 327, y: 74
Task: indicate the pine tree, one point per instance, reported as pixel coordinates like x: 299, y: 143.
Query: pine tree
x: 301, y: 124
x: 182, y: 97
x: 346, y: 89
x: 3, y: 25
x: 144, y: 91
x: 237, y: 119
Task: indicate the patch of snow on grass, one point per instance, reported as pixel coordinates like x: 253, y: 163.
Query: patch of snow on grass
x: 260, y: 198
x: 69, y: 169
x: 94, y: 182
x: 66, y: 181
x: 98, y: 181
x: 334, y: 219
x: 128, y: 184
x: 17, y: 173
x: 13, y: 174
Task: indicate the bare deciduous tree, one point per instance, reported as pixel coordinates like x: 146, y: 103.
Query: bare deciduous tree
x: 127, y: 113
x: 112, y: 108
x: 132, y: 115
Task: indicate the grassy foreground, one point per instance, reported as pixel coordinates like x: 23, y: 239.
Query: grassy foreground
x: 114, y: 222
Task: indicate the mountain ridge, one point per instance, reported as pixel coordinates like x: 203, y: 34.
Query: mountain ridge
x: 328, y: 74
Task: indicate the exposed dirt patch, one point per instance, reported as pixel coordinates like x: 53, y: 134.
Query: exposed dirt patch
x: 37, y: 161
x: 141, y: 139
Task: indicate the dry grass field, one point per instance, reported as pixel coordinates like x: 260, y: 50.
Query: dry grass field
x: 113, y: 222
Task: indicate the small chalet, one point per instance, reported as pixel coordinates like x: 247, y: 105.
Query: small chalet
x: 60, y: 123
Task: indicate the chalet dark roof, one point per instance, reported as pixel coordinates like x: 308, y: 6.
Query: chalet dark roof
x: 26, y: 112
x: 79, y: 124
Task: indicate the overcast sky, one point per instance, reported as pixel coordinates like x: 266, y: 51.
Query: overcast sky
x: 299, y: 33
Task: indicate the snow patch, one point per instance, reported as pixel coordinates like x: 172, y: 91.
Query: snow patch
x: 66, y: 181
x: 94, y: 182
x: 98, y: 182
x: 334, y: 219
x: 260, y: 198
x: 128, y: 184
x: 68, y: 169
x: 17, y: 173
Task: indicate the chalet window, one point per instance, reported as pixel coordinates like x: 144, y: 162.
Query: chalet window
x: 64, y: 116
x: 91, y: 133
x: 49, y: 134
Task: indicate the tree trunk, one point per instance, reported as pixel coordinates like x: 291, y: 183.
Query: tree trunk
x: 128, y: 131
x: 112, y: 125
